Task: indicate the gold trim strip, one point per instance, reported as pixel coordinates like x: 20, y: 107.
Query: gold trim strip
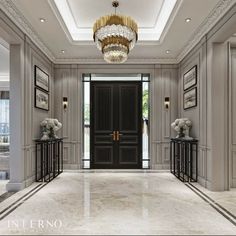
x: 115, y: 20
x: 115, y: 40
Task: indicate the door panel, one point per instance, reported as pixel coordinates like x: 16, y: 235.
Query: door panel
x: 103, y: 155
x: 128, y: 108
x: 103, y: 113
x: 102, y: 125
x: 116, y: 125
x: 130, y: 117
x: 128, y: 155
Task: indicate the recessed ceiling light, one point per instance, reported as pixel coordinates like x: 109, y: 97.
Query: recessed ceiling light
x: 42, y: 20
x: 187, y: 20
x: 167, y: 51
x: 63, y: 51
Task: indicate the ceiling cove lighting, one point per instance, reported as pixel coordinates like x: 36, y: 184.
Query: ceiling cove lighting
x: 63, y: 12
x: 115, y: 35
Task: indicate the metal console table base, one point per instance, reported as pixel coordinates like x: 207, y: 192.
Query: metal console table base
x: 184, y: 159
x: 48, y: 159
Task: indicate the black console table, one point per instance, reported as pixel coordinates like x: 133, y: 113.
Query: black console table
x: 184, y: 159
x: 48, y: 159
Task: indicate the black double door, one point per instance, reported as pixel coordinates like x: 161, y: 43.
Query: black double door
x: 116, y: 125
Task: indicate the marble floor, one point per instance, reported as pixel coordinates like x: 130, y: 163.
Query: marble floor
x: 226, y: 199
x: 111, y: 204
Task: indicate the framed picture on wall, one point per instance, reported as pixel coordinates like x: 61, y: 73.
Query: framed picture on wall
x: 41, y: 79
x: 41, y: 99
x: 190, y: 78
x: 190, y: 98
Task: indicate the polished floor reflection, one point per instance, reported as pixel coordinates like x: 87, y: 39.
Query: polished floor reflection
x: 115, y: 203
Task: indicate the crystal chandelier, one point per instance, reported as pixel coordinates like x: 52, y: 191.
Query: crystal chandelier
x: 115, y: 36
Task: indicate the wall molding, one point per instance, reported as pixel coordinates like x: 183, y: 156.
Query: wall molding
x: 18, y: 18
x: 204, y: 148
x: 217, y: 13
x: 129, y: 61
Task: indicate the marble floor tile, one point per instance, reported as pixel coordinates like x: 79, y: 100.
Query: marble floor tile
x: 113, y: 204
x: 226, y: 199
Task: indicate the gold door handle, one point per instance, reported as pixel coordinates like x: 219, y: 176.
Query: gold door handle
x: 113, y: 135
x: 118, y: 135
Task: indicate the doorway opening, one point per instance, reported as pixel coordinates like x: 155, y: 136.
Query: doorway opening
x: 4, y: 117
x: 116, y: 121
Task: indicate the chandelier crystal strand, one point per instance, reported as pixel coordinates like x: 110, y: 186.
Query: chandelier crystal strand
x: 115, y: 36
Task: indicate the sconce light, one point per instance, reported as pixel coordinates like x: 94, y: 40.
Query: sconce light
x: 65, y: 103
x: 167, y: 102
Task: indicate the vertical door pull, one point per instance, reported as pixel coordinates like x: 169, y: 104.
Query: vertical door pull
x: 113, y: 135
x: 118, y: 135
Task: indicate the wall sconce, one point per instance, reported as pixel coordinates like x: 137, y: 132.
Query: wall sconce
x: 65, y: 103
x: 167, y: 102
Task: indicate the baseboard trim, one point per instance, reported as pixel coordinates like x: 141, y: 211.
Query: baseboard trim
x: 116, y: 171
x: 204, y: 183
x: 165, y: 167
x: 233, y: 185
x: 29, y: 181
x: 15, y: 187
x: 72, y: 167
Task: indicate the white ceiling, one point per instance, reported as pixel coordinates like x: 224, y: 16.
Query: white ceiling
x: 81, y: 9
x: 175, y: 36
x: 152, y: 18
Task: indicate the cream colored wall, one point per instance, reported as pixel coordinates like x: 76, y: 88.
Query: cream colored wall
x: 198, y: 115
x: 211, y: 116
x: 232, y: 119
x: 68, y: 83
x: 24, y: 118
x: 33, y: 116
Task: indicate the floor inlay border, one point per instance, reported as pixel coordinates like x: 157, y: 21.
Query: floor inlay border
x: 5, y: 196
x: 224, y: 212
x: 5, y: 212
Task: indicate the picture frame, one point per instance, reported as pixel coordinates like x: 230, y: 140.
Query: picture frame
x: 190, y: 78
x: 190, y: 98
x: 41, y: 79
x: 41, y: 99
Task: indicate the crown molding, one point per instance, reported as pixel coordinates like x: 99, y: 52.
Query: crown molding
x: 129, y: 61
x: 17, y: 17
x: 216, y: 14
x: 4, y: 78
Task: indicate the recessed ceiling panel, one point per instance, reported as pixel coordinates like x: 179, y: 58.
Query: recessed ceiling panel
x: 86, y: 12
x: 80, y: 15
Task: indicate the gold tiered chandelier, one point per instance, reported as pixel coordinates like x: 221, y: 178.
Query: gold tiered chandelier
x: 115, y: 35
